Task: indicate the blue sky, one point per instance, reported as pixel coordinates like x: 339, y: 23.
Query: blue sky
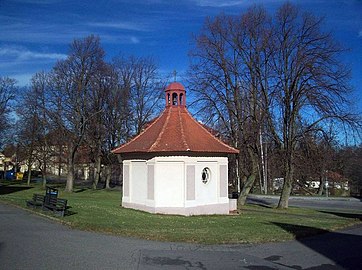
x: 34, y: 34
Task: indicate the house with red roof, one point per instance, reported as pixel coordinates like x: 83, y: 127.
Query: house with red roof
x: 176, y: 166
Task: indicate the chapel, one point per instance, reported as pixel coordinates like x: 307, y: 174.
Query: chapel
x: 175, y: 165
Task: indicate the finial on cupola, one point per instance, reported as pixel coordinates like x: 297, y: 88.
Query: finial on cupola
x: 174, y: 75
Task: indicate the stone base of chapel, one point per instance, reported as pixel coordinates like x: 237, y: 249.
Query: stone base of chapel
x: 210, y: 209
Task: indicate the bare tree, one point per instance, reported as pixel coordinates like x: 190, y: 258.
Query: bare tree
x: 126, y: 96
x: 33, y: 123
x: 40, y: 86
x: 70, y: 97
x: 230, y: 76
x: 313, y: 159
x: 276, y: 79
x: 312, y: 85
x: 116, y: 122
x: 139, y: 77
x: 7, y: 94
x: 105, y: 84
x: 28, y: 131
x: 349, y: 160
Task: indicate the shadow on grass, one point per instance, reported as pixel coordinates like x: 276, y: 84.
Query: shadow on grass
x: 345, y: 215
x: 81, y: 190
x: 70, y: 213
x: 344, y: 249
x: 300, y: 231
x: 4, y: 189
x: 260, y: 202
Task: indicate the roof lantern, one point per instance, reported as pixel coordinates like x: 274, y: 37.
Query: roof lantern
x: 175, y: 95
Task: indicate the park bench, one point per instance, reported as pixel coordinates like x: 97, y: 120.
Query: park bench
x: 57, y: 205
x: 36, y: 202
x: 49, y: 202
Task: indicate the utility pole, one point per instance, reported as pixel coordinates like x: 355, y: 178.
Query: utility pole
x: 263, y: 163
x: 326, y: 184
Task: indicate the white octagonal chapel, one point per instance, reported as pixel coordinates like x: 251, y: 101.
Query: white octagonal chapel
x: 176, y: 166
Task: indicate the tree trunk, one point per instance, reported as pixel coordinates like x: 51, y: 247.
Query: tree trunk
x: 120, y: 177
x: 30, y: 161
x: 97, y: 172
x: 44, y: 180
x: 29, y: 176
x: 284, y: 198
x: 248, y: 184
x: 321, y: 185
x: 287, y: 186
x: 44, y: 173
x: 239, y: 171
x: 248, y: 181
x: 91, y: 172
x: 108, y: 171
x: 260, y: 180
x: 60, y: 161
x: 70, y: 175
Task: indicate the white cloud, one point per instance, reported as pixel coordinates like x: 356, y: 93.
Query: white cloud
x: 217, y: 3
x: 37, y: 2
x: 22, y: 79
x: 232, y: 3
x: 18, y: 33
x: 120, y: 25
x: 22, y: 54
x: 134, y: 40
x: 21, y: 30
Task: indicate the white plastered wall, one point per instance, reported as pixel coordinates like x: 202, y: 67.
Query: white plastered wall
x: 173, y: 192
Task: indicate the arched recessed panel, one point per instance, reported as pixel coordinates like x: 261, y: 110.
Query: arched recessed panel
x: 174, y: 99
x: 181, y: 99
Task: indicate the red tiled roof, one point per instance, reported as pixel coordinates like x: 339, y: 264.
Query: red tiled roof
x: 175, y: 86
x: 175, y: 130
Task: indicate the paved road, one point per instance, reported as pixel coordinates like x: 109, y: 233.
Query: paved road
x: 28, y: 241
x: 323, y: 203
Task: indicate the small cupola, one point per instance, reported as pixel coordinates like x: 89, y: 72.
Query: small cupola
x: 175, y: 95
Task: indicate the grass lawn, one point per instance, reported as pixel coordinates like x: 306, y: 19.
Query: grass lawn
x: 100, y: 211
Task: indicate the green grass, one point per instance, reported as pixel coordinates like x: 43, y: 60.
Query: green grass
x: 100, y: 211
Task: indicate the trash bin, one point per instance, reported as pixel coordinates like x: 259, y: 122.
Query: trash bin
x: 50, y: 193
x: 19, y: 176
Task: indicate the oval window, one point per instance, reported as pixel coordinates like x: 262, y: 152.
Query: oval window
x: 205, y: 175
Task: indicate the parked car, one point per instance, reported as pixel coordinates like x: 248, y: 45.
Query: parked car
x: 10, y: 175
x: 34, y: 174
